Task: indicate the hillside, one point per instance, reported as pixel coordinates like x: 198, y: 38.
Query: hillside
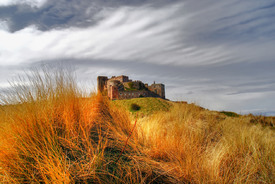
x: 55, y: 134
x: 149, y: 106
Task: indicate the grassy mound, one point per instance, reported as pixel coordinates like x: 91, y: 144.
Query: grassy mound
x: 147, y: 105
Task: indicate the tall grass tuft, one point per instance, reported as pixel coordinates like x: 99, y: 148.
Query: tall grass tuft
x: 52, y: 133
x: 45, y: 129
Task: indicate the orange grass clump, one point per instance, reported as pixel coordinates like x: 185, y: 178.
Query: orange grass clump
x: 51, y: 133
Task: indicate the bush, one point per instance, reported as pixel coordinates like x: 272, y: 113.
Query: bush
x: 230, y: 114
x: 131, y: 85
x: 134, y: 107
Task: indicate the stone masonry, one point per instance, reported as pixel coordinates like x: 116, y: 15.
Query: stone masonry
x: 121, y: 87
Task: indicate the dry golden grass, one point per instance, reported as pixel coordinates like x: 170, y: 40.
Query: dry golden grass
x: 50, y: 133
x: 200, y: 146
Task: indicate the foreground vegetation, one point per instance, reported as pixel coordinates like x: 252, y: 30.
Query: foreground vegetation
x: 50, y: 133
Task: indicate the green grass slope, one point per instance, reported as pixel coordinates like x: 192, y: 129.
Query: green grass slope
x: 147, y: 105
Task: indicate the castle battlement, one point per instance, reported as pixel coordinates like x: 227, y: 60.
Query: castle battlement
x: 121, y: 87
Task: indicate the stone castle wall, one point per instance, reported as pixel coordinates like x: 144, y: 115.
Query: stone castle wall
x: 121, y: 87
x: 135, y: 94
x: 121, y: 78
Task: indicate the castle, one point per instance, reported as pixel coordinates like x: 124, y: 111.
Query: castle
x: 121, y: 87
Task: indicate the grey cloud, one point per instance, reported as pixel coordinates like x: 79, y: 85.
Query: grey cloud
x: 64, y: 13
x: 230, y: 21
x: 54, y: 14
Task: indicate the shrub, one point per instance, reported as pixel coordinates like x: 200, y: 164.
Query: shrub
x: 131, y: 85
x: 134, y: 107
x: 230, y: 114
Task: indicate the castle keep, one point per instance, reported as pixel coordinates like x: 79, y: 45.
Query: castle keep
x: 121, y: 87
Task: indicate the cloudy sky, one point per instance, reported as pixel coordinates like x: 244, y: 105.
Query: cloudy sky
x: 219, y: 54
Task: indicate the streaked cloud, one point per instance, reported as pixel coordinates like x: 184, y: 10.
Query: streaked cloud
x: 32, y: 3
x: 124, y: 34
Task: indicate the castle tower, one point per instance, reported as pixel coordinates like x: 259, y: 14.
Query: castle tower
x: 158, y: 89
x: 101, y: 82
x: 162, y: 91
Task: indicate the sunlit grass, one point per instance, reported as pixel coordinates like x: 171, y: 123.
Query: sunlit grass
x: 201, y: 146
x: 51, y: 134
